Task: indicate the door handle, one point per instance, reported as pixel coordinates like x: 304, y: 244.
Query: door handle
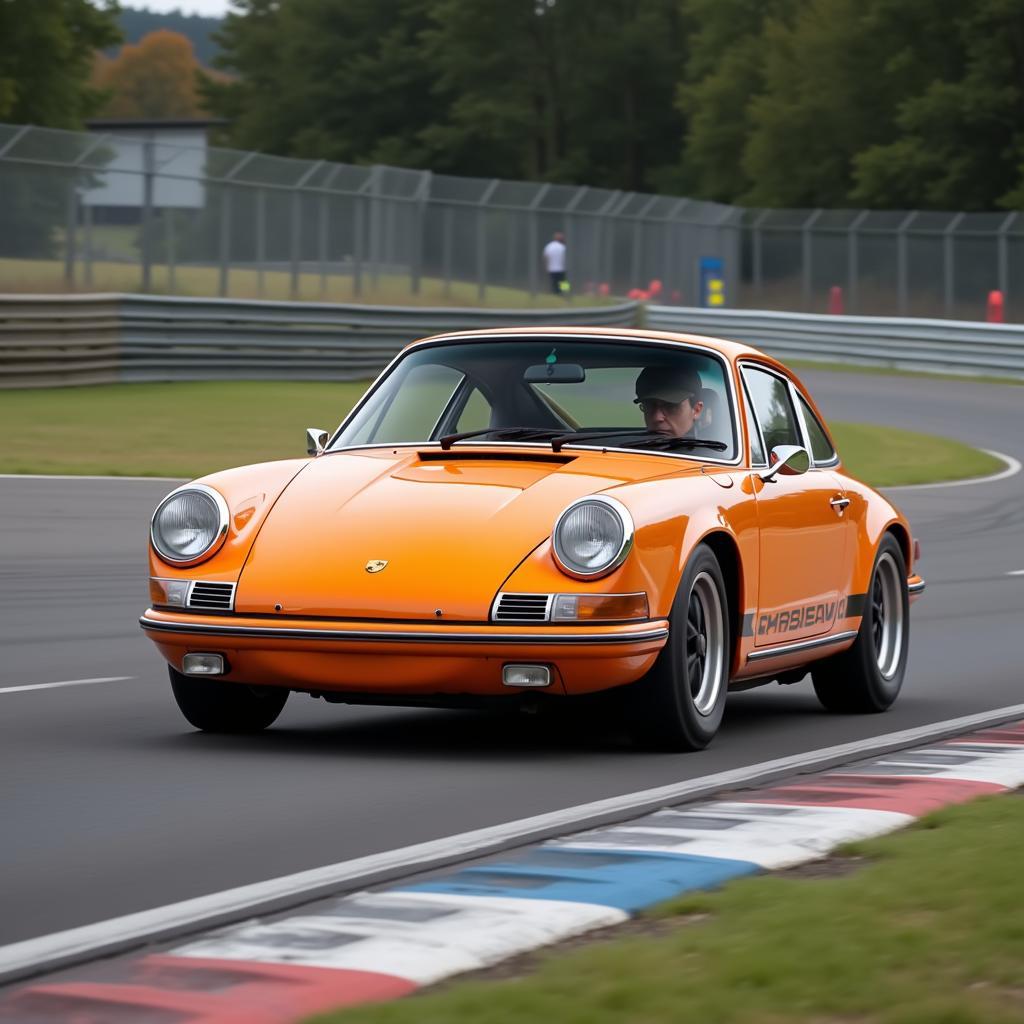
x: 839, y: 504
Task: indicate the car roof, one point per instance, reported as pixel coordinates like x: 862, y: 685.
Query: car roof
x: 732, y: 350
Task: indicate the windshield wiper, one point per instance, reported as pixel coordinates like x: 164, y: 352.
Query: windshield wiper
x: 503, y: 434
x: 642, y: 438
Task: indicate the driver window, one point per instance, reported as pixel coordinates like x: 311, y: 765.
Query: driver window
x: 774, y: 411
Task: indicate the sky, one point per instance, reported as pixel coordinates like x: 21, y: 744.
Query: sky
x: 214, y: 8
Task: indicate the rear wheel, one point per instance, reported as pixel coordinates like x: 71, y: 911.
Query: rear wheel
x: 867, y: 677
x: 215, y: 706
x: 679, y: 704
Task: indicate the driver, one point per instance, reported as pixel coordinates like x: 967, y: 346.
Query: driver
x: 669, y: 398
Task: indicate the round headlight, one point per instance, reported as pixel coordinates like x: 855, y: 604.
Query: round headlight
x: 592, y: 536
x: 189, y: 524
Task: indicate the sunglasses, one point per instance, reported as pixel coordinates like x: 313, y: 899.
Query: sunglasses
x: 649, y: 405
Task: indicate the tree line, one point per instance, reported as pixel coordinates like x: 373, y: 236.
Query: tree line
x: 792, y: 103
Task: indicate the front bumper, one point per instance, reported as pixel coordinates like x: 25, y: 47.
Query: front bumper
x: 414, y: 659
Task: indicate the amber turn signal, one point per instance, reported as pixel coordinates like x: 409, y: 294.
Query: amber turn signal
x: 598, y: 607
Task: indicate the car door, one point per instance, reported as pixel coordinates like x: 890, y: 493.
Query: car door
x: 803, y: 532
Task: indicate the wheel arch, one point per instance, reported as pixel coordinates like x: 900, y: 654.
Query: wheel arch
x: 902, y: 535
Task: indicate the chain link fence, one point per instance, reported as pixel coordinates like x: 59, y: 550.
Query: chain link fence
x: 149, y: 212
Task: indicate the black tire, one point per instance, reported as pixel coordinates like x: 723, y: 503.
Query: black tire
x: 679, y: 704
x: 867, y: 676
x: 215, y: 706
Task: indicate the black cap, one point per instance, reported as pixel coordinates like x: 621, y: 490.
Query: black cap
x: 668, y: 384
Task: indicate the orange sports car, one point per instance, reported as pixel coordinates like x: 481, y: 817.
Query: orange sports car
x: 513, y: 513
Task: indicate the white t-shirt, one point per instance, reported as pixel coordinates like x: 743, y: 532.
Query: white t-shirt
x: 554, y: 256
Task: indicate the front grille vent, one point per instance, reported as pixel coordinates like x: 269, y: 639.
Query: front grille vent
x: 522, y: 608
x: 216, y: 597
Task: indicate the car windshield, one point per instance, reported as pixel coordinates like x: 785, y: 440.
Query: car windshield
x: 539, y: 390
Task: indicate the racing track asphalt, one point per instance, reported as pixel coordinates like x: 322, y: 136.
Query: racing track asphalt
x: 110, y: 803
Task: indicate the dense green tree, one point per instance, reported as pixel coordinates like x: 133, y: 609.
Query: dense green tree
x: 325, y: 80
x: 959, y: 138
x: 564, y: 90
x: 46, y: 59
x: 825, y: 97
x: 723, y: 73
x: 888, y: 103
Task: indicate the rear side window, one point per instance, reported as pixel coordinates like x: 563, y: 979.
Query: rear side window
x: 774, y: 411
x: 821, y: 446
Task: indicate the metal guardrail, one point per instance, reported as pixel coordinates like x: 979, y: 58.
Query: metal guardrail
x: 53, y: 340
x: 938, y: 346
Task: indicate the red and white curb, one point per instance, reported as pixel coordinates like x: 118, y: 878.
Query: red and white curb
x: 377, y: 945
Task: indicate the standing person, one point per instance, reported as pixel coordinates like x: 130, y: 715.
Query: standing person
x: 554, y: 263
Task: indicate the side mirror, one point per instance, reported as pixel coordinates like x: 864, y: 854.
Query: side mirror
x: 786, y: 460
x: 316, y: 440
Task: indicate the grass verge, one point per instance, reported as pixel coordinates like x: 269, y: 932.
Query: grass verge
x: 890, y: 371
x: 928, y: 930
x: 47, y: 277
x: 188, y: 429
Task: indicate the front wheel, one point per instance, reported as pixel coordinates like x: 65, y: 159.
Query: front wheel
x: 679, y: 704
x: 867, y: 677
x: 215, y: 706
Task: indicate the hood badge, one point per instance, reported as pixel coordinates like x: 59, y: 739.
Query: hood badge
x: 376, y: 564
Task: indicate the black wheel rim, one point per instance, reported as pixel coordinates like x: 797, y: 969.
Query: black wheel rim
x: 878, y: 614
x: 696, y: 644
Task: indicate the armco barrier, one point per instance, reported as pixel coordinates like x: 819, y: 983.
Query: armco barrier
x: 53, y: 340
x: 942, y: 346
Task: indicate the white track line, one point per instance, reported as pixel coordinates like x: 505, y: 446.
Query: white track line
x: 1016, y: 572
x: 65, y: 682
x: 1012, y: 469
x: 33, y: 956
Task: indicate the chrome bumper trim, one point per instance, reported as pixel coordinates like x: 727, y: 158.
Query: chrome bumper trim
x: 805, y: 645
x: 915, y: 588
x: 379, y: 636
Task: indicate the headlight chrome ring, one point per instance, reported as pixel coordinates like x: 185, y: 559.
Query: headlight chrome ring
x: 206, y: 500
x: 618, y: 543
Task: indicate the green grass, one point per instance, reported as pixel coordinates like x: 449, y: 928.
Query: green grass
x: 188, y: 429
x: 885, y: 457
x: 47, y: 277
x: 927, y: 929
x: 889, y: 371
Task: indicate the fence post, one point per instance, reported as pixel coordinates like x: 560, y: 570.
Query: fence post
x: 534, y: 255
x: 852, y: 260
x: 261, y: 238
x: 758, y: 253
x: 172, y: 255
x: 570, y: 235
x: 297, y: 225
x: 446, y: 248
x: 147, y: 213
x: 901, y: 263
x: 481, y: 240
x: 87, y: 246
x: 225, y: 222
x: 420, y: 216
x: 948, y: 265
x: 374, y: 246
x: 225, y: 238
x: 1004, y: 256
x: 805, y: 257
x: 71, y: 223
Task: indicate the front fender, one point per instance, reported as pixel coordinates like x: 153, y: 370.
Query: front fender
x: 250, y: 493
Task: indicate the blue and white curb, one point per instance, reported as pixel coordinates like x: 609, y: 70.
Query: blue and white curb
x: 385, y: 944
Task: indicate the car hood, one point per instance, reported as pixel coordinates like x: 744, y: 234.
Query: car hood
x: 451, y: 526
